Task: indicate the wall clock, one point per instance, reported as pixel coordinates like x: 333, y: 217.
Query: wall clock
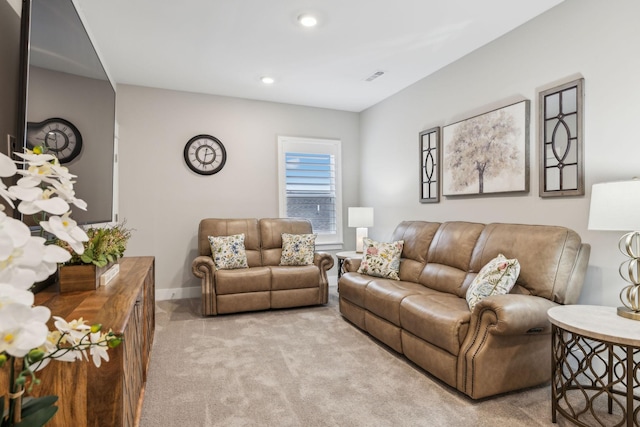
x: 205, y: 154
x: 59, y: 136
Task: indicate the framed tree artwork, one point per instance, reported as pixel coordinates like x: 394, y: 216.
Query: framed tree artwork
x: 488, y: 153
x: 430, y: 165
x: 560, y: 135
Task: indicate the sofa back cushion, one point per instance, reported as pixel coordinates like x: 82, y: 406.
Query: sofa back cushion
x: 271, y: 230
x: 417, y: 236
x: 548, y: 256
x: 228, y: 227
x: 450, y: 257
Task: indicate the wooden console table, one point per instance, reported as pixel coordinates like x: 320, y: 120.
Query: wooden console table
x: 112, y: 394
x: 595, y: 366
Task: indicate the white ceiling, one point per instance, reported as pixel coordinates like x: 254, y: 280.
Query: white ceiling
x: 223, y: 47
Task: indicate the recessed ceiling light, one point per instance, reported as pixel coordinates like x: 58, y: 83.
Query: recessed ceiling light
x: 307, y: 20
x: 267, y: 80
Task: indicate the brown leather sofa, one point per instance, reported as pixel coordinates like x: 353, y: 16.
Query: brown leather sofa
x: 265, y: 284
x: 505, y: 343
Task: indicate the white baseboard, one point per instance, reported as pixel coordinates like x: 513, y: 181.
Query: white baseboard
x: 194, y: 291
x: 178, y: 293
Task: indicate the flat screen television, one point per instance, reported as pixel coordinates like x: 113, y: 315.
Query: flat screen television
x: 69, y: 102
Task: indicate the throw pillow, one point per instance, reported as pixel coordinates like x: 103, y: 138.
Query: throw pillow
x: 298, y: 249
x: 228, y: 252
x: 495, y: 278
x: 381, y: 259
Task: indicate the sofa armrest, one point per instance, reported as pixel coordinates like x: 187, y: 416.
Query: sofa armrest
x: 204, y: 268
x: 351, y: 265
x: 513, y: 314
x: 324, y: 262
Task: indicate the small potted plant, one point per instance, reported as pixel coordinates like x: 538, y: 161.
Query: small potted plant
x: 106, y: 245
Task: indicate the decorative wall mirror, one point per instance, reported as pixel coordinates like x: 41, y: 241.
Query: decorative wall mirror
x: 560, y: 118
x: 430, y: 165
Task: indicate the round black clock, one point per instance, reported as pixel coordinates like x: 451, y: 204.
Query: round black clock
x: 59, y: 136
x: 205, y: 154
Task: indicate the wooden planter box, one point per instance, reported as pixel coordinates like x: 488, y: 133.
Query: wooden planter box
x: 81, y: 277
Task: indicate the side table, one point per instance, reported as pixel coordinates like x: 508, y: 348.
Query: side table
x: 595, y: 366
x: 344, y: 255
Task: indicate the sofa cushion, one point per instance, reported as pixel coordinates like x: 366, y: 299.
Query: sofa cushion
x: 449, y: 257
x: 352, y: 286
x: 497, y: 277
x: 381, y: 259
x: 271, y: 230
x: 294, y: 277
x: 228, y: 251
x: 298, y: 249
x: 227, y: 227
x: 417, y: 237
x: 237, y: 281
x: 441, y: 319
x: 383, y: 297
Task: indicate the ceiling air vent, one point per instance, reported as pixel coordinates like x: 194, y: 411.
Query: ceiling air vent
x: 374, y: 76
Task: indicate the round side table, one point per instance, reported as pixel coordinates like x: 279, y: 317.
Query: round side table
x: 344, y: 255
x: 595, y: 365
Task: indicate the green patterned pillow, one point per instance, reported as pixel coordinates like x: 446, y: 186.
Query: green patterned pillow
x: 228, y: 252
x: 495, y: 278
x: 298, y: 249
x: 381, y: 259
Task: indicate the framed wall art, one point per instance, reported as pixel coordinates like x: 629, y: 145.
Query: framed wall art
x: 430, y: 165
x: 488, y: 153
x: 560, y: 140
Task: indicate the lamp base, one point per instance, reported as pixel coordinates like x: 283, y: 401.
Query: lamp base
x: 628, y: 313
x: 361, y: 233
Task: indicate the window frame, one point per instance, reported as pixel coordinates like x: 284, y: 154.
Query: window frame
x: 326, y: 241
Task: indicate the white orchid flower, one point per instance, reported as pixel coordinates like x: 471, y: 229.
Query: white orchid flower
x: 42, y: 202
x: 6, y: 195
x: 8, y: 167
x: 22, y: 328
x: 99, y: 349
x: 33, y: 259
x: 66, y: 229
x: 9, y: 294
x: 73, y: 331
x: 32, y: 158
x: 64, y: 188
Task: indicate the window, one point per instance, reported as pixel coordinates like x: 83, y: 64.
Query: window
x: 309, y: 185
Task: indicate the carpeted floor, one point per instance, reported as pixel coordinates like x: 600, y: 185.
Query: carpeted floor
x: 303, y: 367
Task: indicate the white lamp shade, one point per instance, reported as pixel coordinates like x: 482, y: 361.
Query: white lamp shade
x: 615, y: 206
x: 360, y: 217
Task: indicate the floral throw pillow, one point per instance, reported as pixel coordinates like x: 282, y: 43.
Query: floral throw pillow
x: 298, y: 249
x: 228, y: 252
x: 495, y: 278
x: 381, y: 259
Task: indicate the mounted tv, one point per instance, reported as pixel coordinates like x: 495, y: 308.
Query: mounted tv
x: 69, y: 102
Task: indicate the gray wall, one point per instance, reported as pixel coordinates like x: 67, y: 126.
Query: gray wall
x: 593, y: 39
x: 163, y: 200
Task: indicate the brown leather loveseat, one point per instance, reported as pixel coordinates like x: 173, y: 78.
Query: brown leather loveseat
x: 265, y: 284
x: 504, y: 344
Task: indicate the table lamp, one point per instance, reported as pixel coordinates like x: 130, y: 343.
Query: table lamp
x: 361, y: 218
x: 616, y: 206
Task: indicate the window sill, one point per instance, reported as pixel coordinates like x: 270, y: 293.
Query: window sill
x: 329, y: 246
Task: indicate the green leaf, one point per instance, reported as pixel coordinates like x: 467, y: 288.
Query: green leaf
x: 35, y: 404
x: 38, y: 418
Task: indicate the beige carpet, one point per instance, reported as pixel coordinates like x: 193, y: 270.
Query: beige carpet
x: 303, y: 367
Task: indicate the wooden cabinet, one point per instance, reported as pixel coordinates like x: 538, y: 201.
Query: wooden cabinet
x: 112, y: 394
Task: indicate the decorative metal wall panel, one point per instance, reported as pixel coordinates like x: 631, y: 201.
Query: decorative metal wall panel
x: 560, y: 137
x: 430, y: 166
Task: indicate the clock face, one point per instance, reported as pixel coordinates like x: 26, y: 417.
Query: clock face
x: 59, y: 137
x: 205, y: 154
